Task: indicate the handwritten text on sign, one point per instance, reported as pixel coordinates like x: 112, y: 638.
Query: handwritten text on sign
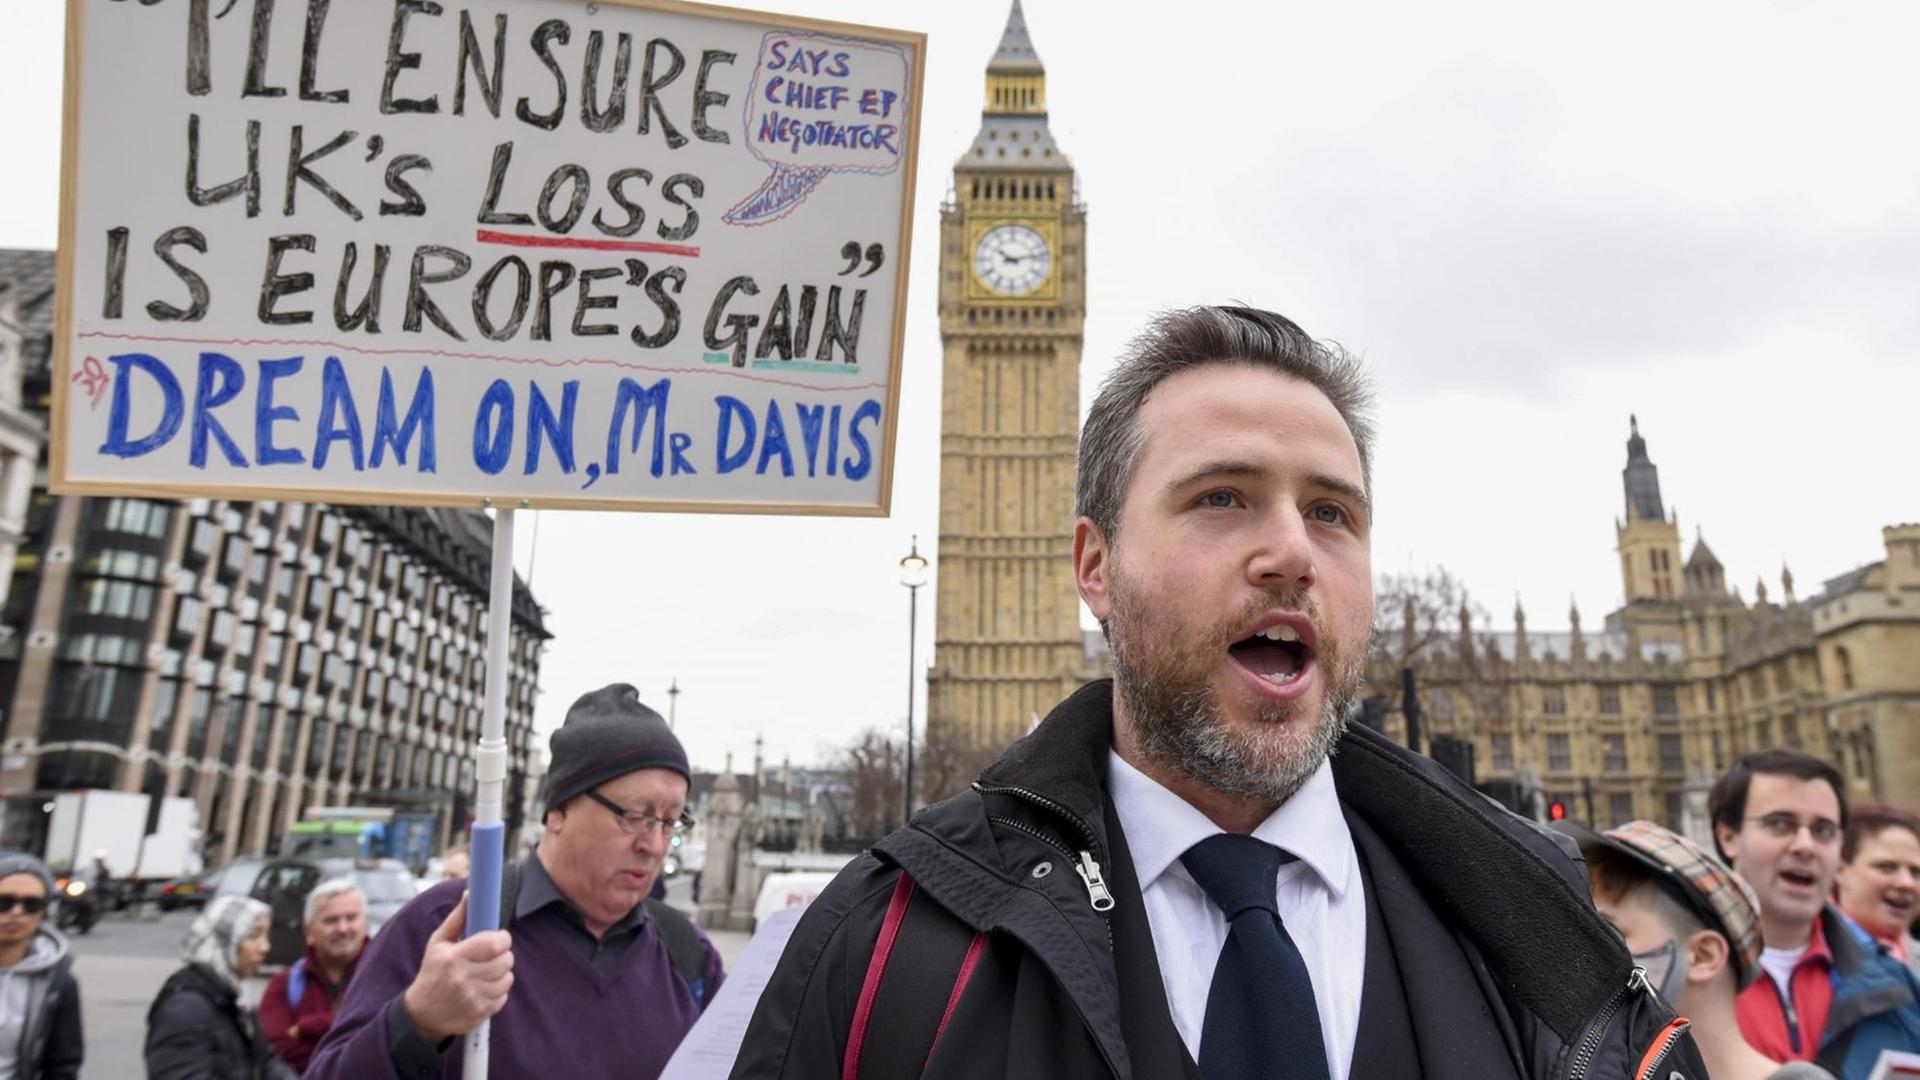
x: 438, y: 251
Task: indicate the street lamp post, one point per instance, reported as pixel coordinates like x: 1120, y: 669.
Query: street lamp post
x: 673, y: 701
x: 913, y: 574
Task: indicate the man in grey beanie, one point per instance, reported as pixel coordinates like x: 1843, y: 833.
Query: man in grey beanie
x: 40, y: 1032
x: 600, y: 980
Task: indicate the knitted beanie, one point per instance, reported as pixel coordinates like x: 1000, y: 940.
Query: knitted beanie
x: 608, y: 734
x: 19, y: 862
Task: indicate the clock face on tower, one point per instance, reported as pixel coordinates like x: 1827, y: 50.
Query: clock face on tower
x: 1012, y: 260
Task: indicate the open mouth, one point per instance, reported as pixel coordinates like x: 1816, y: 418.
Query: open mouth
x: 1901, y: 903
x: 1798, y: 878
x: 1279, y: 655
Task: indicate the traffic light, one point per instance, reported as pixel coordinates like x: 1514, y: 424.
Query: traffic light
x: 1556, y: 811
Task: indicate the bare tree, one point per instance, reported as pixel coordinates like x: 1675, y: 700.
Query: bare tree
x: 1417, y: 617
x: 1421, y: 621
x: 874, y: 766
x: 948, y: 767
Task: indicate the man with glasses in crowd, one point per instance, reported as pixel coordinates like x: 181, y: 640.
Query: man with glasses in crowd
x: 1830, y: 994
x: 586, y: 975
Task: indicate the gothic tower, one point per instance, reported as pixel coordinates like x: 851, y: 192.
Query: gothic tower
x: 1007, y: 640
x: 1649, y: 545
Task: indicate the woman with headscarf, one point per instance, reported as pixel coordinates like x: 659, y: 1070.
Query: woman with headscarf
x: 199, y: 1028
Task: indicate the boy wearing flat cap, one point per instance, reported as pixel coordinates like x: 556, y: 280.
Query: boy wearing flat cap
x: 1694, y: 926
x: 585, y: 976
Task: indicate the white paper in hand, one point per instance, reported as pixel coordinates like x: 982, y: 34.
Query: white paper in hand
x: 708, y: 1051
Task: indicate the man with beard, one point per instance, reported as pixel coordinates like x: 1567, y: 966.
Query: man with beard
x: 1831, y: 994
x: 1197, y: 869
x: 297, y: 1007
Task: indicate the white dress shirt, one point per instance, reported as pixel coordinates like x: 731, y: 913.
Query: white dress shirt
x: 1319, y: 897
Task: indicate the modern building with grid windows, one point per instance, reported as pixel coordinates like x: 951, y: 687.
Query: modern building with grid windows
x: 262, y: 658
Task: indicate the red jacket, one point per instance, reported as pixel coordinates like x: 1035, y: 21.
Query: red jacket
x: 296, y: 1030
x: 1791, y: 1031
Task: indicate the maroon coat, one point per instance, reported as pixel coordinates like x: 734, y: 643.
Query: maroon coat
x: 296, y: 1030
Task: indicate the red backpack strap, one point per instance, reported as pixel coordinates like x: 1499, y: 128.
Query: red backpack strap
x: 876, y: 967
x: 912, y: 1002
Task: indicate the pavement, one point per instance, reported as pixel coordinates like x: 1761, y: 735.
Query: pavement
x: 123, y: 963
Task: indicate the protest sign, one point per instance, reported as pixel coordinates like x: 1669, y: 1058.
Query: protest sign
x: 595, y: 255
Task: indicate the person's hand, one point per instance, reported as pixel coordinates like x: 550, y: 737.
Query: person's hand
x: 293, y: 1030
x: 461, y: 983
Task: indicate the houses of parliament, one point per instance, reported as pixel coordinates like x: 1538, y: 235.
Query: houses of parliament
x: 1622, y: 721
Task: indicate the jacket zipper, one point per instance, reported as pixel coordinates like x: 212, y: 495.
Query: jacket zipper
x: 1787, y: 1010
x: 1096, y: 886
x: 1651, y: 1063
x: 1083, y: 861
x: 1597, y: 1029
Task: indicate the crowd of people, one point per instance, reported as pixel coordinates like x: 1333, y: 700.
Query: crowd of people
x: 1196, y: 869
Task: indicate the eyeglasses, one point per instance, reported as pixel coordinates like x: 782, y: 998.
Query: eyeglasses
x: 32, y: 905
x: 639, y: 822
x: 1785, y: 826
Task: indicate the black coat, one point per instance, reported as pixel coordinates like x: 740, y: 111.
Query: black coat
x: 196, y: 1030
x: 1485, y: 958
x: 52, y: 1045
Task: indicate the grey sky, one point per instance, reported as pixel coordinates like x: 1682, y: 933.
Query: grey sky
x: 1532, y: 222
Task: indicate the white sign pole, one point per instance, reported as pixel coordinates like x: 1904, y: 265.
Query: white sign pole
x: 489, y: 823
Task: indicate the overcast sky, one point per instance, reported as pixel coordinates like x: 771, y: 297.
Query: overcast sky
x: 1532, y: 223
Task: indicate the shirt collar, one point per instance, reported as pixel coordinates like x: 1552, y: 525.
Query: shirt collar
x: 537, y: 890
x: 1161, y: 826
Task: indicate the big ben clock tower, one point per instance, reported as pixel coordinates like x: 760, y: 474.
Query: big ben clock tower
x: 1008, y: 644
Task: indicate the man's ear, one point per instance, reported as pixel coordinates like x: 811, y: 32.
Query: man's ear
x: 1706, y: 955
x: 555, y: 819
x: 1723, y: 835
x: 1092, y: 568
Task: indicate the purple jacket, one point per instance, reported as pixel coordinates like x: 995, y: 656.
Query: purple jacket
x: 622, y: 1023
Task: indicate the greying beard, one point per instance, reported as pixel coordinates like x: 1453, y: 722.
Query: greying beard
x: 1184, y: 731
x: 1178, y: 723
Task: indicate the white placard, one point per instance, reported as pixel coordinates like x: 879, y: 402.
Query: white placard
x: 436, y: 251
x: 708, y: 1051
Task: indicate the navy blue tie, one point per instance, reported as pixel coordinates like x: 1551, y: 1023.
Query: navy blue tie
x: 1261, y: 1018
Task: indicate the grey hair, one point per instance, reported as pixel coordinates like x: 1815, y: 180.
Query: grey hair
x: 328, y: 889
x: 1111, y: 441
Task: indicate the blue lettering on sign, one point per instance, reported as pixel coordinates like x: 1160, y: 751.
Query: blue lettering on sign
x: 339, y: 420
x: 266, y: 413
x: 172, y: 406
x: 221, y: 380
x: 558, y: 431
x: 493, y: 428
x: 775, y: 442
x: 857, y: 468
x: 631, y: 400
x: 756, y: 433
x: 387, y: 431
x: 811, y: 418
x: 732, y: 410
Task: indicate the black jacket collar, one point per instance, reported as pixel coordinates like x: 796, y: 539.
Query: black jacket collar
x: 1517, y: 891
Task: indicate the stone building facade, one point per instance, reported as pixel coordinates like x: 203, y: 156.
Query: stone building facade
x: 1635, y: 720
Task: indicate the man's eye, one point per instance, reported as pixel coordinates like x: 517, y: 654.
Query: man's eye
x: 1328, y: 514
x: 1219, y: 500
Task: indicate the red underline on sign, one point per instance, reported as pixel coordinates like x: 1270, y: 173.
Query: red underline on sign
x: 350, y: 348
x: 490, y: 236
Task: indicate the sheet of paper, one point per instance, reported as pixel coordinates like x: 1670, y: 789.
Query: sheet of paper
x: 708, y: 1051
x: 1895, y: 1064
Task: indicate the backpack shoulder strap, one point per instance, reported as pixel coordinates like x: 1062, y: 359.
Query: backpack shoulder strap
x: 296, y: 983
x: 509, y: 892
x: 685, y: 949
x: 911, y: 1000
